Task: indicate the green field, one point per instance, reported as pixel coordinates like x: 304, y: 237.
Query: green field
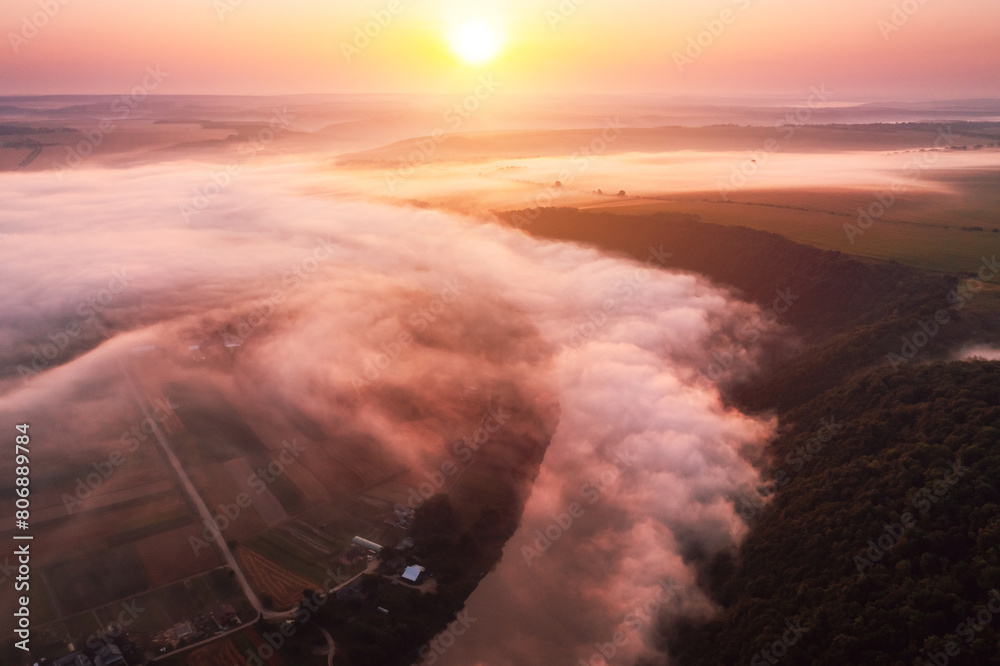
x: 924, y: 230
x: 278, y: 548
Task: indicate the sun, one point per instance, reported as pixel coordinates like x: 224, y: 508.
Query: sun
x: 475, y: 42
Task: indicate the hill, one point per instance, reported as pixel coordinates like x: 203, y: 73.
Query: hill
x: 882, y: 545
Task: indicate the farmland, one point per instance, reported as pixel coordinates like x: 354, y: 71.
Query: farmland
x: 935, y: 232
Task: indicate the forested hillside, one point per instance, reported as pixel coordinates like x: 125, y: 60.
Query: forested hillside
x: 876, y: 535
x: 882, y: 544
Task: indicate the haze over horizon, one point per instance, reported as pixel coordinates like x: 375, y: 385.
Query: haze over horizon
x: 863, y: 50
x: 554, y: 305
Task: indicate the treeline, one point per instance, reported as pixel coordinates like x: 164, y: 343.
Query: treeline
x: 455, y: 554
x: 882, y: 545
x: 875, y: 537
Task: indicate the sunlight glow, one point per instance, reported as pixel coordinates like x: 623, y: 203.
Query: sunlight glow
x: 475, y: 42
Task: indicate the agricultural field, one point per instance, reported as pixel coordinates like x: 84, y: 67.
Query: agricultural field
x: 941, y: 231
x: 148, y: 617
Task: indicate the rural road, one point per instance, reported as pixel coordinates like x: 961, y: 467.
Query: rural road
x: 203, y: 510
x: 333, y: 647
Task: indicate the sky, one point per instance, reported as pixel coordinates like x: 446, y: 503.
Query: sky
x: 862, y: 49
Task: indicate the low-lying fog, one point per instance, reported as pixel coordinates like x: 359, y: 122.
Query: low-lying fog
x: 644, y: 464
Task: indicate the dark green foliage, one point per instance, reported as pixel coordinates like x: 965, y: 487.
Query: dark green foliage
x: 901, y: 435
x: 455, y: 554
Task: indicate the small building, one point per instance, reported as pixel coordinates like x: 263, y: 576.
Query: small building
x: 74, y: 659
x: 366, y: 544
x: 352, y: 592
x: 224, y: 615
x: 405, y: 544
x: 413, y: 572
x: 353, y: 555
x: 109, y: 654
x: 184, y: 631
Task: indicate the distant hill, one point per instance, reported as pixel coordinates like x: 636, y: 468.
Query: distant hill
x: 510, y: 144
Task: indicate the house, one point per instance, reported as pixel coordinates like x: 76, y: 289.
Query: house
x: 365, y: 543
x: 184, y: 631
x: 354, y: 555
x: 413, y: 572
x: 74, y: 659
x: 110, y: 654
x: 224, y: 615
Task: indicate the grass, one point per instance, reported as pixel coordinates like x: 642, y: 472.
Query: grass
x: 203, y: 592
x: 51, y: 640
x: 181, y: 603
x: 277, y: 548
x: 82, y: 626
x: 222, y: 585
x: 41, y: 605
x: 166, y: 523
x: 392, y: 491
x: 925, y: 231
x: 83, y: 584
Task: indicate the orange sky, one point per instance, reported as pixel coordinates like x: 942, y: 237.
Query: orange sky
x: 942, y: 49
